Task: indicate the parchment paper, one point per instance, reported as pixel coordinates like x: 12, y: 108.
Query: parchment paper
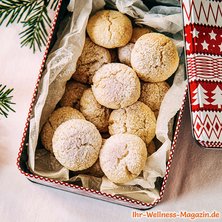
x: 162, y: 18
x: 60, y: 66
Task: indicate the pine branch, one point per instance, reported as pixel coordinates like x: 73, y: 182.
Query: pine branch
x: 33, y: 14
x: 5, y: 101
x: 14, y: 10
x: 35, y: 34
x: 54, y: 4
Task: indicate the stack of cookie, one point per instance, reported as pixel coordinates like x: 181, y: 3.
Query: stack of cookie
x: 115, y: 93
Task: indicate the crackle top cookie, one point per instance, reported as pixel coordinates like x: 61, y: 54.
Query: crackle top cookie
x: 116, y: 85
x: 154, y: 57
x: 136, y: 119
x: 76, y: 144
x: 110, y: 29
x: 123, y: 157
x: 91, y: 59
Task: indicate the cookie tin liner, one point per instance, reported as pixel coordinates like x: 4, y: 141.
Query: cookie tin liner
x: 203, y: 37
x: 22, y: 156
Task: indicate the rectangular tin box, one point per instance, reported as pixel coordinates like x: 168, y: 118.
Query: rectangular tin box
x: 203, y: 37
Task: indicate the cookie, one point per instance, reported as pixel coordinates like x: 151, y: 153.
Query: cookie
x: 91, y: 59
x: 116, y: 85
x: 56, y: 118
x: 123, y: 157
x: 152, y: 94
x: 93, y: 111
x: 124, y: 53
x: 138, y: 32
x: 109, y: 28
x: 72, y: 95
x: 136, y: 119
x: 154, y: 57
x: 76, y: 144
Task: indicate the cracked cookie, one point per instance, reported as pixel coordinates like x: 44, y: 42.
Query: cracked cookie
x: 136, y: 119
x: 91, y: 59
x: 55, y: 119
x: 154, y: 57
x: 124, y: 53
x: 73, y: 94
x: 123, y: 157
x: 116, y: 85
x: 93, y: 111
x: 152, y: 94
x: 109, y: 28
x: 76, y: 144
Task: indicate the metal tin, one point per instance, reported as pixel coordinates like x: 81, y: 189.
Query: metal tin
x: 23, y: 156
x: 203, y: 36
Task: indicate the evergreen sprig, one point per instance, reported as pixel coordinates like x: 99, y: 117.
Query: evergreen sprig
x: 33, y: 14
x: 5, y: 101
x: 35, y: 32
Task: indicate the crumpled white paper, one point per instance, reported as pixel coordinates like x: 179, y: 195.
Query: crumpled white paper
x: 48, y: 166
x: 161, y: 18
x: 169, y: 2
x: 130, y: 190
x: 60, y: 66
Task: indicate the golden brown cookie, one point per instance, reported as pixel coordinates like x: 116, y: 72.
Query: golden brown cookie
x: 136, y: 119
x: 152, y: 94
x: 56, y: 118
x: 95, y: 170
x: 73, y: 94
x: 138, y: 32
x: 109, y: 28
x: 91, y: 59
x: 94, y: 112
x: 154, y: 57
